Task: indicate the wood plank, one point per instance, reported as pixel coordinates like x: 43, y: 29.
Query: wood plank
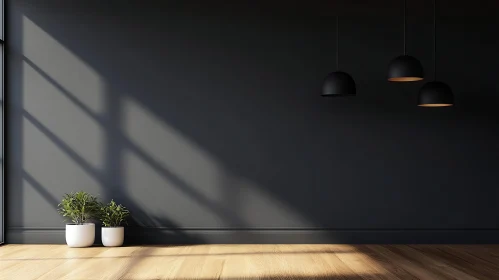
x: 445, y: 271
x: 396, y: 270
x: 360, y: 264
x: 406, y: 264
x: 461, y: 261
x: 333, y: 266
x: 35, y: 262
x: 483, y: 252
x: 156, y: 263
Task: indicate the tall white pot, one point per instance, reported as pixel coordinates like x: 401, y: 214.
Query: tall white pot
x: 78, y: 236
x: 113, y: 236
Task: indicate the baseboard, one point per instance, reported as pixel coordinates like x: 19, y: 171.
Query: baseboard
x: 138, y: 235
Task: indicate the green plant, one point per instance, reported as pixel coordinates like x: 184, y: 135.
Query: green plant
x: 78, y: 207
x: 112, y: 214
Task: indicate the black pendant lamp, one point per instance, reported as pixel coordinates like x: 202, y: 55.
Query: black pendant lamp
x: 435, y: 94
x: 338, y: 83
x: 405, y: 68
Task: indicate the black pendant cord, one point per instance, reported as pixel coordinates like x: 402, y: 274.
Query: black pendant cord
x: 337, y: 44
x: 435, y: 40
x: 405, y: 26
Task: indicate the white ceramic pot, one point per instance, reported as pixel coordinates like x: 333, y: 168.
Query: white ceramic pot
x: 80, y: 235
x: 113, y: 236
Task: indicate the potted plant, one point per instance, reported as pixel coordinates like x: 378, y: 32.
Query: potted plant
x: 112, y: 216
x: 79, y: 207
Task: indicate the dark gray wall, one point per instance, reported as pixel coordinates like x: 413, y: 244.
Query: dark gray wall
x: 205, y: 119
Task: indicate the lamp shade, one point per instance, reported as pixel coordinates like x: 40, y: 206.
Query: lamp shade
x: 338, y: 84
x: 435, y: 94
x: 405, y: 68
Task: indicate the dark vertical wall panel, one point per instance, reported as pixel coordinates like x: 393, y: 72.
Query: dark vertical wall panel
x: 1, y: 143
x: 205, y: 119
x: 2, y: 126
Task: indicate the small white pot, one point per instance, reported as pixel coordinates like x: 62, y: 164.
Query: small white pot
x: 113, y: 236
x: 78, y: 236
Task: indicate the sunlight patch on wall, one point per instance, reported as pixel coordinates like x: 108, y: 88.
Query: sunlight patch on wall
x: 172, y: 150
x: 64, y: 66
x: 44, y: 102
x: 34, y: 201
x: 55, y: 170
x: 162, y: 200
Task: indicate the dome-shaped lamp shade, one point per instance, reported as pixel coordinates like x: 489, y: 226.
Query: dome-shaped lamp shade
x: 405, y: 68
x: 435, y: 94
x: 338, y: 84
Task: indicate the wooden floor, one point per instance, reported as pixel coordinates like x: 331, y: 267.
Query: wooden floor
x: 232, y: 262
